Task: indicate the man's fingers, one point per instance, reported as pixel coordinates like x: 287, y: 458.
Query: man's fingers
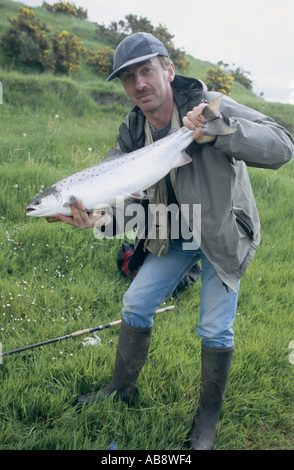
x: 82, y: 219
x: 64, y: 218
x: 194, y: 118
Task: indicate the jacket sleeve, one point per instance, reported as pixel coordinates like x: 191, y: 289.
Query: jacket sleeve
x: 259, y: 141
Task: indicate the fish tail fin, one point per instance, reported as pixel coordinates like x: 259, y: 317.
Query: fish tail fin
x: 215, y: 125
x: 212, y: 110
x: 218, y: 127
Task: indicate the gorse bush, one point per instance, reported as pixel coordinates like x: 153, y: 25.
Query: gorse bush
x: 26, y: 39
x: 239, y: 74
x: 66, y: 51
x: 218, y: 80
x: 102, y: 59
x: 67, y: 8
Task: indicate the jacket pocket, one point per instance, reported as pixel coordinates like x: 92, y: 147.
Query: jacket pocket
x: 244, y: 225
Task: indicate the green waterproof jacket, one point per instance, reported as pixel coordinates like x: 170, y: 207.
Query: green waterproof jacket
x: 217, y: 177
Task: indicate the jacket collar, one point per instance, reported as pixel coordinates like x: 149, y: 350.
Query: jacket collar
x: 188, y: 93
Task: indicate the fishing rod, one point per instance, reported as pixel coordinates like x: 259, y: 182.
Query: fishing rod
x: 78, y: 333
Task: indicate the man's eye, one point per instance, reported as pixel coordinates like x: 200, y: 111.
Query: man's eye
x: 127, y: 77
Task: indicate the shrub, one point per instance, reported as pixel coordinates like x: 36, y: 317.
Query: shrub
x: 101, y: 59
x: 26, y: 39
x: 66, y: 51
x: 67, y: 8
x: 116, y: 32
x: 239, y: 74
x: 218, y: 80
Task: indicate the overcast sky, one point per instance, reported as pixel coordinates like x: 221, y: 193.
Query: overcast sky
x: 257, y: 35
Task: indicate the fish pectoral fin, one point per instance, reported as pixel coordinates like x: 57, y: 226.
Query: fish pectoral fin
x: 140, y: 195
x: 184, y: 159
x: 72, y: 200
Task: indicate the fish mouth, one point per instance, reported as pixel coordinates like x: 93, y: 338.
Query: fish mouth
x: 29, y: 210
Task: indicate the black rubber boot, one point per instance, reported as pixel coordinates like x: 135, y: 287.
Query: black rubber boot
x: 216, y: 363
x: 131, y: 355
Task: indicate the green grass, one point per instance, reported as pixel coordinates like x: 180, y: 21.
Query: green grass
x: 56, y: 280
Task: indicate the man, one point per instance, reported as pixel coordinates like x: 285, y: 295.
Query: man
x: 217, y: 180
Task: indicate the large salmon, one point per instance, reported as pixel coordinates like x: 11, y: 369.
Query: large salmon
x: 126, y: 176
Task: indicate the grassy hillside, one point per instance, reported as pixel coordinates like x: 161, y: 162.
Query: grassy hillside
x: 97, y: 87
x: 56, y: 280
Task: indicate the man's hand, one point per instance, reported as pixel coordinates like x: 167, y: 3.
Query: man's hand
x: 82, y: 219
x: 195, y: 122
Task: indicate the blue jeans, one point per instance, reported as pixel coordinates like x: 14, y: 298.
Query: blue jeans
x: 157, y: 280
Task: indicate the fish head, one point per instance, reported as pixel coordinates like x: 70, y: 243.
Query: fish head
x: 45, y: 204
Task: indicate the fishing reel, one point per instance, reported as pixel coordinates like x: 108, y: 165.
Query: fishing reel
x: 91, y: 341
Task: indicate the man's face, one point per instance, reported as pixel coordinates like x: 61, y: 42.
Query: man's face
x: 147, y: 84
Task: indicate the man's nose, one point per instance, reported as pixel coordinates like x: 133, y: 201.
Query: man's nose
x: 140, y: 81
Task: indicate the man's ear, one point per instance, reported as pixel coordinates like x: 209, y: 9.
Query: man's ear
x: 171, y: 72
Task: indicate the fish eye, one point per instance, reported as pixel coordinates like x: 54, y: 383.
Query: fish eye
x: 37, y: 202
